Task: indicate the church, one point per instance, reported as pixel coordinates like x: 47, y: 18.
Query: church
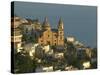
x: 50, y: 36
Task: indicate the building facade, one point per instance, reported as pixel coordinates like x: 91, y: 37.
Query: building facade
x: 16, y: 35
x: 52, y: 36
x: 41, y: 32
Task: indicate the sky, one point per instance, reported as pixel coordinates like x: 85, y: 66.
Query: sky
x: 79, y: 21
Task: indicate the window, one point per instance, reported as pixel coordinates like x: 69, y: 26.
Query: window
x: 48, y: 35
x: 41, y: 40
x: 48, y: 42
x: 55, y: 35
x: 55, y: 44
x: 60, y: 32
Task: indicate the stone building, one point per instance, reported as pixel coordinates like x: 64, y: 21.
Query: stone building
x: 51, y: 36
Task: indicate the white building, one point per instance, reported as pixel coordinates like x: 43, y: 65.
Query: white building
x: 86, y: 64
x: 44, y: 69
x: 69, y: 68
x: 70, y: 39
x: 30, y: 48
x: 59, y: 55
x: 46, y: 48
x: 77, y: 43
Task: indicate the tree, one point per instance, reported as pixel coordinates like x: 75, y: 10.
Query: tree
x: 94, y: 56
x: 71, y: 54
x: 23, y: 63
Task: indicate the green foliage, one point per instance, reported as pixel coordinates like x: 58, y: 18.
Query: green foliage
x: 71, y: 54
x: 23, y: 63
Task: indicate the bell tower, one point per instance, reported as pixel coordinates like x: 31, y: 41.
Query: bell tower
x: 60, y: 24
x: 60, y: 32
x: 46, y: 25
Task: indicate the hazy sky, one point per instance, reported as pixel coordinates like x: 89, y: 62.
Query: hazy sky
x: 79, y: 21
